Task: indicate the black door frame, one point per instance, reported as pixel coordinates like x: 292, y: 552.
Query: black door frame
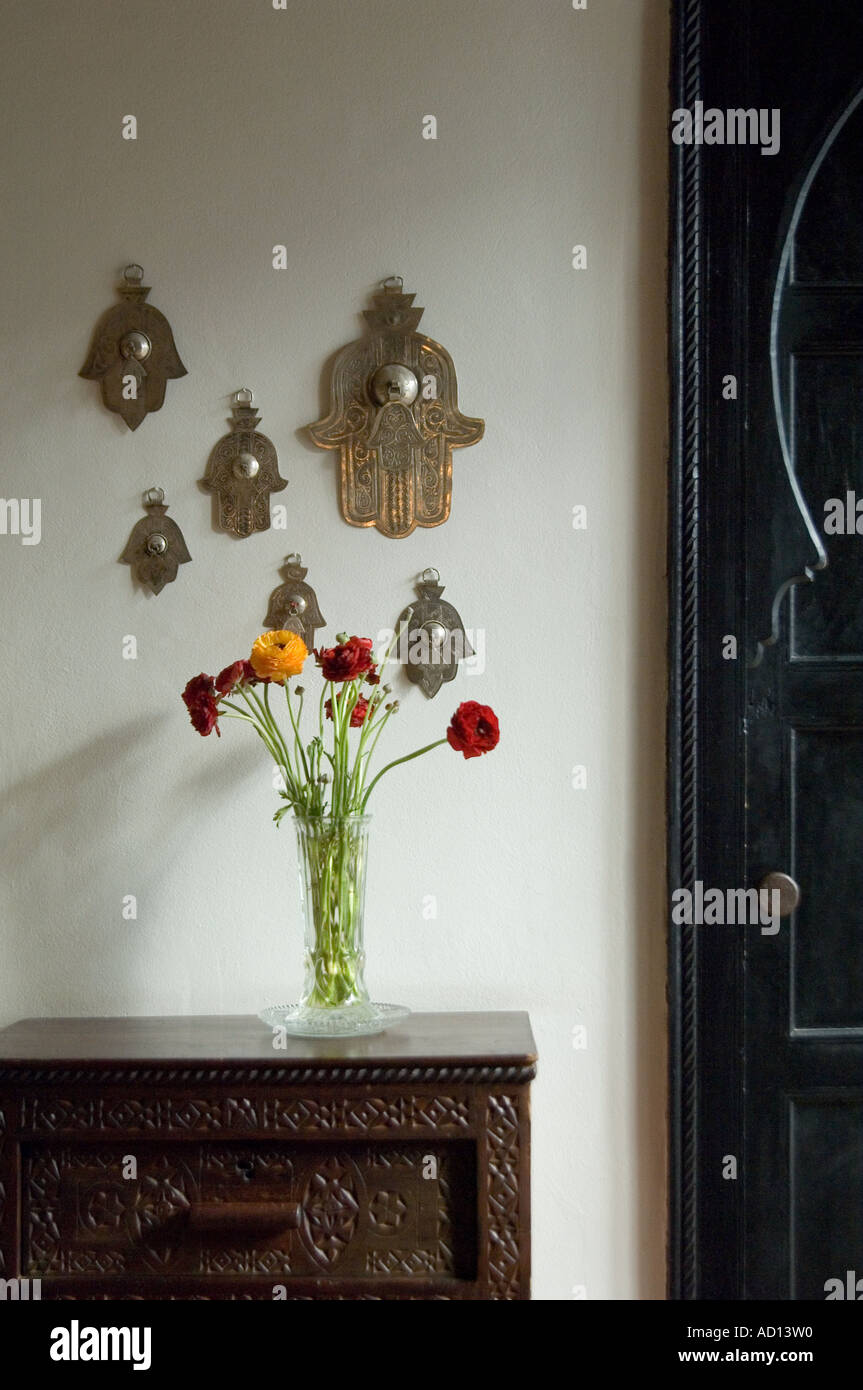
x: 706, y: 570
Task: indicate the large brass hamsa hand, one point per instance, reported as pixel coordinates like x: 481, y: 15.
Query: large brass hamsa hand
x: 395, y: 421
x: 132, y: 354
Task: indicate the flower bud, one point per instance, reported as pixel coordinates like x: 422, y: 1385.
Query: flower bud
x: 300, y: 689
x: 341, y: 637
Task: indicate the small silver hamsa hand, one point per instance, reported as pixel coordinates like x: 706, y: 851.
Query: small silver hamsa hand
x: 294, y: 605
x: 243, y: 469
x: 435, y: 639
x: 132, y: 354
x: 156, y: 547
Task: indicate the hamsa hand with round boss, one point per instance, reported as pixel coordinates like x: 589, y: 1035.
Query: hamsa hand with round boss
x: 395, y: 421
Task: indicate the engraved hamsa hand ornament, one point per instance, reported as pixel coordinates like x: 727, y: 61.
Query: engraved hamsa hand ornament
x: 395, y: 421
x: 294, y: 606
x: 132, y: 354
x: 156, y: 548
x: 242, y: 470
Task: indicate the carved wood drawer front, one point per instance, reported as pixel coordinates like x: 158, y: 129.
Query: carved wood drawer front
x: 317, y: 1210
x: 132, y: 1169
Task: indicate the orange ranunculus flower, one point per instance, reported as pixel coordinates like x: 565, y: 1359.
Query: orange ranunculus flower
x: 277, y: 655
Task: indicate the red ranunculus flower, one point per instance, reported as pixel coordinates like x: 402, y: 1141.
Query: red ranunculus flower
x: 231, y: 676
x: 251, y: 677
x: 347, y: 661
x: 358, y: 713
x: 199, y: 698
x: 473, y: 729
x: 372, y: 676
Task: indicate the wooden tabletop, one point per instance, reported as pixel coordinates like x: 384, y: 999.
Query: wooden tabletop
x: 473, y: 1039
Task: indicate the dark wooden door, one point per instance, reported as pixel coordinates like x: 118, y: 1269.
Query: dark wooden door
x: 767, y: 742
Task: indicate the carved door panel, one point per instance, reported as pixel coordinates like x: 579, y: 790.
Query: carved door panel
x: 768, y: 1192
x: 803, y: 1185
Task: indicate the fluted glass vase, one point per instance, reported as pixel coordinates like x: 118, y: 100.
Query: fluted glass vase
x: 332, y: 855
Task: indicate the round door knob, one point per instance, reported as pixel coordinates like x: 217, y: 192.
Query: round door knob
x: 785, y: 886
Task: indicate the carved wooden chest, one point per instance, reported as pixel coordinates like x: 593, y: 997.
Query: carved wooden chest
x: 189, y: 1158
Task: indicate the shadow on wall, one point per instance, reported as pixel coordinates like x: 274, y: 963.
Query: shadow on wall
x: 68, y: 859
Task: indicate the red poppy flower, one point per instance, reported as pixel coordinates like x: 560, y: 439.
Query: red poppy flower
x: 473, y: 729
x: 199, y: 698
x: 347, y: 661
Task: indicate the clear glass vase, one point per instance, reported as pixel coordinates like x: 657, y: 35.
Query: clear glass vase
x: 333, y: 858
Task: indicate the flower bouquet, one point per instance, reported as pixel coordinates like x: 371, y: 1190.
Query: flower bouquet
x: 326, y: 782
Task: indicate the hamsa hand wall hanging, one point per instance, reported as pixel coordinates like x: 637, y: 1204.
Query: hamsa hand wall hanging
x: 243, y: 469
x: 395, y: 421
x: 435, y: 640
x: 294, y: 605
x: 132, y: 353
x: 156, y: 547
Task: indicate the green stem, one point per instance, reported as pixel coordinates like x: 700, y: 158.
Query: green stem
x: 339, y: 753
x: 402, y: 622
x: 239, y: 713
x: 334, y: 866
x: 360, y: 772
x: 395, y: 763
x: 298, y: 747
x: 268, y: 731
x: 280, y: 743
x: 377, y: 730
x: 368, y: 727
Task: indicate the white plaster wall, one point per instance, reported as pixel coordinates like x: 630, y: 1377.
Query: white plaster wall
x: 303, y: 127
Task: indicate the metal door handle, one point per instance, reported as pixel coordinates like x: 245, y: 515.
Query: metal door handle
x: 789, y: 891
